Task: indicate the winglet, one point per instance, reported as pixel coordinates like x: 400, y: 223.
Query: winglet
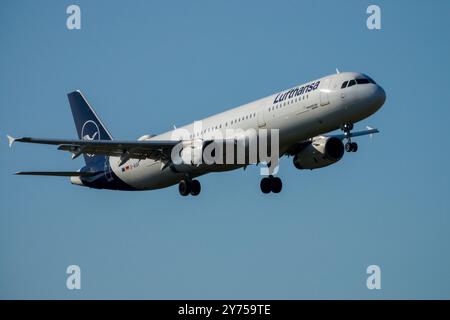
x: 371, y: 134
x: 11, y: 140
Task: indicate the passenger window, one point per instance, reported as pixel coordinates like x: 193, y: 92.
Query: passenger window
x: 351, y: 83
x: 344, y: 85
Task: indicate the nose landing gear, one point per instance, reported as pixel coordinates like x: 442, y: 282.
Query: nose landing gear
x: 349, y: 146
x: 271, y: 184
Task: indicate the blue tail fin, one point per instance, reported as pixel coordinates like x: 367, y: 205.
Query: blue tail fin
x: 89, y: 127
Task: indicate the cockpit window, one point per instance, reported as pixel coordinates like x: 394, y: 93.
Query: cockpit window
x: 362, y: 81
x: 369, y: 78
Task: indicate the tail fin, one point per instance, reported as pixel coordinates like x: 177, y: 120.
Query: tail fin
x: 89, y: 127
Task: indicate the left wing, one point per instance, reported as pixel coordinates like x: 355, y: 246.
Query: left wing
x: 152, y: 149
x: 294, y: 149
x: 369, y: 131
x: 57, y: 173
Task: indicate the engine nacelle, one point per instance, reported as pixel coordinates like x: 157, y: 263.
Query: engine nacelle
x: 321, y: 152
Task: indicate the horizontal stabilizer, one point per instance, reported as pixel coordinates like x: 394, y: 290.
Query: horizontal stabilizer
x: 57, y: 173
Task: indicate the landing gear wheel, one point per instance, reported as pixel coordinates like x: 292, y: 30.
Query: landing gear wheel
x: 184, y: 187
x: 195, y: 188
x: 266, y: 185
x: 351, y: 147
x: 277, y: 185
x: 348, y: 147
x: 271, y: 184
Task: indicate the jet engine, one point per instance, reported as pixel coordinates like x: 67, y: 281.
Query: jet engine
x: 321, y: 152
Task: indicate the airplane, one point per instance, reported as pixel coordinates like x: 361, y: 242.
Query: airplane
x: 303, y: 115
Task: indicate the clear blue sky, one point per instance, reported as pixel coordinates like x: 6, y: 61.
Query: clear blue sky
x: 146, y: 65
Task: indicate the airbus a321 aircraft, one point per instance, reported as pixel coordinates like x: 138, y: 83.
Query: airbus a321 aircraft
x: 303, y: 115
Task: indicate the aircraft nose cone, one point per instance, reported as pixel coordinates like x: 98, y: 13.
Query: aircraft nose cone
x: 379, y: 96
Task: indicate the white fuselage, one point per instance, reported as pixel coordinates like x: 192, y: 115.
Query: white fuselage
x: 297, y: 117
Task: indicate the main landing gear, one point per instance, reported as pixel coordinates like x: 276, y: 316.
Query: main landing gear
x: 271, y: 184
x: 188, y: 186
x: 349, y: 146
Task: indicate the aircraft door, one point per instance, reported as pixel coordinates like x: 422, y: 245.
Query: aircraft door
x: 325, y: 88
x: 261, y: 120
